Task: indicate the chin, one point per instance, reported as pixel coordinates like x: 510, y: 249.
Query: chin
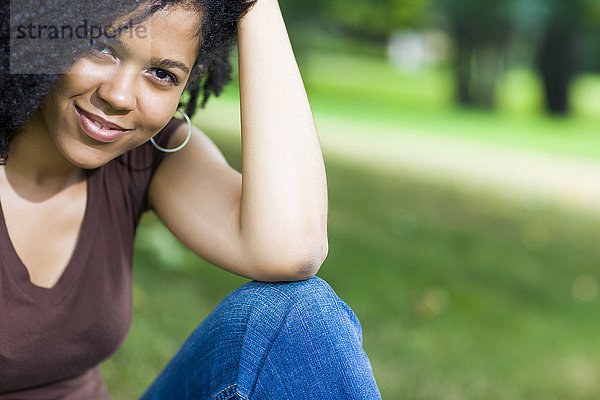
x: 87, y: 157
x: 88, y: 163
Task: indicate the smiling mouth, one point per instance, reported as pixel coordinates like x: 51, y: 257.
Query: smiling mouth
x: 97, y: 130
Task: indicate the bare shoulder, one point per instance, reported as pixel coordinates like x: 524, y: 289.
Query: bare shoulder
x: 193, y: 172
x: 199, y: 144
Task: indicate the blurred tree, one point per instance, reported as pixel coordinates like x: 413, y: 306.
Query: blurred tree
x: 480, y: 29
x: 296, y: 12
x: 483, y: 29
x: 589, y: 42
x: 368, y: 23
x: 375, y: 19
x: 557, y: 57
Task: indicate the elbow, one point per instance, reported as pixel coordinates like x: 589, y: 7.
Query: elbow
x: 301, y: 263
x: 309, y: 265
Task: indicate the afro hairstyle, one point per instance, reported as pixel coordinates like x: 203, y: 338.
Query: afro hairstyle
x: 25, y: 85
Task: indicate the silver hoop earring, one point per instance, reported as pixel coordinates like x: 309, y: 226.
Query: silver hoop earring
x: 182, y: 145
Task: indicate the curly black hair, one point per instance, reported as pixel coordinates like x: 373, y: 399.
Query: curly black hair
x: 23, y: 91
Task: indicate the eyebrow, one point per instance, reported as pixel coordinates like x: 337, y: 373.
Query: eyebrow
x: 167, y: 63
x: 161, y: 62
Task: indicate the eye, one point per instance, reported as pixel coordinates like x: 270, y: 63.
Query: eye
x: 163, y: 77
x: 102, y: 49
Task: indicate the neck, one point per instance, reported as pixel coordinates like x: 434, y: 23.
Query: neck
x: 35, y: 166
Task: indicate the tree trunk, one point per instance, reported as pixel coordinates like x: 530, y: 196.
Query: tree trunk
x: 487, y: 67
x: 555, y: 65
x: 477, y: 65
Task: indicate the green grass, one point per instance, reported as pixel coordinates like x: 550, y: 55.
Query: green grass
x: 461, y: 296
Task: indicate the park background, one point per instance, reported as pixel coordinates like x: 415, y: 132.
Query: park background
x: 462, y: 144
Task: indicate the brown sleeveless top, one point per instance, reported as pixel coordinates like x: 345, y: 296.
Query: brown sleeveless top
x: 52, y: 340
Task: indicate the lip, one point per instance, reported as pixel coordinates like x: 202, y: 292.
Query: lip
x: 86, y: 122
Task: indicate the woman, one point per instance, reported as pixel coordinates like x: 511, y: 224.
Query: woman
x: 102, y: 147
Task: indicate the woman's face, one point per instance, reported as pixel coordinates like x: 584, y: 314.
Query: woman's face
x: 130, y: 86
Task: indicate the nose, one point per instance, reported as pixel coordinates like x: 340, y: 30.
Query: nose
x: 118, y: 90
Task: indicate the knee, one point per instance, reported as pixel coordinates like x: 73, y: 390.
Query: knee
x: 311, y: 304
x: 298, y: 324
x: 305, y: 294
x: 280, y: 297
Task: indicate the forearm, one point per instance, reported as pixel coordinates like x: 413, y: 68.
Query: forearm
x: 283, y: 209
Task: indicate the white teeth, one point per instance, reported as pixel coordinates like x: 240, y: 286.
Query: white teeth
x: 102, y: 126
x: 99, y: 125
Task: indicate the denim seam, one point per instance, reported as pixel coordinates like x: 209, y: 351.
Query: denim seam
x: 268, y: 350
x: 293, y: 307
x: 230, y: 395
x: 221, y: 391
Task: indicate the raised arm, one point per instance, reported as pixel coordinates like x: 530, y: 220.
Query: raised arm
x: 284, y: 200
x: 271, y: 224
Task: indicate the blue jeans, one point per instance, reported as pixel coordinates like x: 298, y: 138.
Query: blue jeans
x: 294, y: 340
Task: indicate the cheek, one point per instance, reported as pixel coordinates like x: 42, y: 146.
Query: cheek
x: 57, y: 105
x: 155, y: 111
x: 55, y: 110
x: 84, y: 76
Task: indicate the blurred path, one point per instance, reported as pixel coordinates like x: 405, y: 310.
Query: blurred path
x: 513, y: 173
